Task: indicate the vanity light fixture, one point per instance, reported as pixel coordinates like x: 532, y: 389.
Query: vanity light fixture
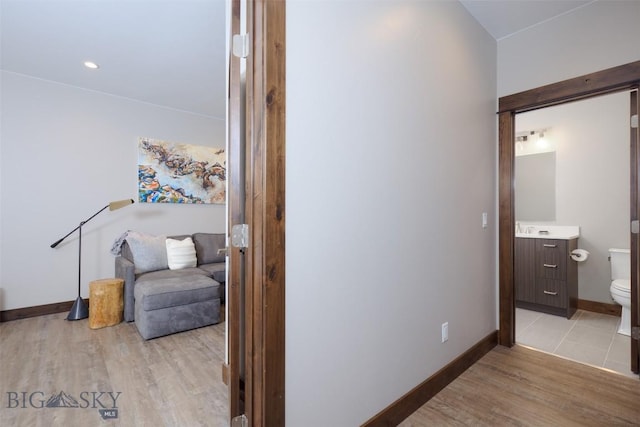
x: 533, y: 141
x: 91, y: 65
x: 519, y: 142
x: 542, y: 141
x: 521, y: 139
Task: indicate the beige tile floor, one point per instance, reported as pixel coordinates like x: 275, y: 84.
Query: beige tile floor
x: 587, y: 337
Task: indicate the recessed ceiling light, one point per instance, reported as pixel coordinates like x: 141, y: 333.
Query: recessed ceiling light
x: 91, y: 64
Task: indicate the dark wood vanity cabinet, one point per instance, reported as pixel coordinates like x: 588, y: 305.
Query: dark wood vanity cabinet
x: 546, y: 278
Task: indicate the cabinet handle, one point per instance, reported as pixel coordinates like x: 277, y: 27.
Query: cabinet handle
x: 550, y: 293
x: 550, y: 265
x: 549, y: 246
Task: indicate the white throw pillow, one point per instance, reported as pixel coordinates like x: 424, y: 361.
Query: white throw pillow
x: 181, y: 253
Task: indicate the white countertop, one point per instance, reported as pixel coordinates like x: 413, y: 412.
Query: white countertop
x: 563, y: 232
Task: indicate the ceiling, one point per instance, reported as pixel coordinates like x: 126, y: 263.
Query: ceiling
x: 168, y: 52
x: 502, y: 18
x: 165, y: 52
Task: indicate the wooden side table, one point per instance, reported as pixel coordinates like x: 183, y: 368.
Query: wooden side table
x: 105, y: 302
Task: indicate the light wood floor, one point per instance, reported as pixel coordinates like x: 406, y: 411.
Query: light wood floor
x: 524, y: 387
x: 169, y: 381
x: 176, y: 381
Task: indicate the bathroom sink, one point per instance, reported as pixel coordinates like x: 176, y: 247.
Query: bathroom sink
x: 563, y: 232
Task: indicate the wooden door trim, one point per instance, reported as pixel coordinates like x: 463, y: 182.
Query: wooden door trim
x: 635, y: 213
x: 506, y: 240
x: 607, y: 81
x: 235, y: 159
x: 265, y: 209
x: 599, y: 83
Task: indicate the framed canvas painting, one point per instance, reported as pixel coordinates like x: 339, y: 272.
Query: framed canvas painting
x: 180, y: 173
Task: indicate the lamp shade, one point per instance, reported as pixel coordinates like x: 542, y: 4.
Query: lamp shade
x: 120, y: 204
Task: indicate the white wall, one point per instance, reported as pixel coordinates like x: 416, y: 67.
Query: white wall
x: 1, y: 203
x: 592, y: 179
x: 390, y: 164
x: 66, y: 153
x: 601, y: 35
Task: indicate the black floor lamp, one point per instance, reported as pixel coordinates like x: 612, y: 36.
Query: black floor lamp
x: 79, y: 309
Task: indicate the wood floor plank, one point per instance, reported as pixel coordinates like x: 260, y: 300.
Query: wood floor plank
x: 524, y: 387
x: 176, y: 381
x: 168, y: 381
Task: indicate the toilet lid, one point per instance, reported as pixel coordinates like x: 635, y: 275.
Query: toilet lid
x: 622, y: 284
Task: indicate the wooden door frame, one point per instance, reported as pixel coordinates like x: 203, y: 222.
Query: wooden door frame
x: 264, y: 295
x: 235, y: 158
x: 623, y: 77
x: 635, y: 240
x: 257, y: 311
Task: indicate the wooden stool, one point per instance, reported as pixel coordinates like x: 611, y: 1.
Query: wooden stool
x: 105, y: 302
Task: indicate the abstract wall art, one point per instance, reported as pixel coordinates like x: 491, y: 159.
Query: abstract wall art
x: 180, y: 173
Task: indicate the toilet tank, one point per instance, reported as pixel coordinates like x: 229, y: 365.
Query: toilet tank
x: 620, y: 263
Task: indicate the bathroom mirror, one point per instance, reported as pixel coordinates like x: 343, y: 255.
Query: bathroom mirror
x: 535, y: 187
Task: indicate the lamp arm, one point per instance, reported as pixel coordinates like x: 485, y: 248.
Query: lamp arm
x: 53, y: 245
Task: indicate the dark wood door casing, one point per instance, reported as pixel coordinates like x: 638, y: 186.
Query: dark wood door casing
x: 635, y: 240
x: 506, y: 229
x: 616, y: 79
x: 265, y: 214
x: 257, y: 311
x: 235, y: 215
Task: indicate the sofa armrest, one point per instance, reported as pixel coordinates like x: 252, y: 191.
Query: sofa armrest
x: 126, y: 270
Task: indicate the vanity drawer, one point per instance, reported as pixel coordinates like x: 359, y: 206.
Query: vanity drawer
x: 551, y: 259
x: 551, y: 293
x: 545, y: 277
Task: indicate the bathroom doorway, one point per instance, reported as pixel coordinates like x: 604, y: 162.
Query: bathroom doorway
x: 621, y: 78
x: 571, y: 170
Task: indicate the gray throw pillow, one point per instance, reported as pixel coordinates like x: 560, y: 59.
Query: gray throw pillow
x: 207, y: 245
x: 149, y: 251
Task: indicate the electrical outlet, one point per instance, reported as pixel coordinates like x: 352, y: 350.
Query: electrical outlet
x: 445, y: 331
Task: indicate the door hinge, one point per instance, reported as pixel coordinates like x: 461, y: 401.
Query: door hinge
x: 635, y: 332
x: 635, y: 226
x: 240, y: 421
x: 240, y: 45
x: 240, y: 236
x: 634, y: 121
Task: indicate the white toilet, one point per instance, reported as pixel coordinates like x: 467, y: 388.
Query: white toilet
x: 621, y: 285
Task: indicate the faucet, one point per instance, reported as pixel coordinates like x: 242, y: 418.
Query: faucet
x: 518, y: 229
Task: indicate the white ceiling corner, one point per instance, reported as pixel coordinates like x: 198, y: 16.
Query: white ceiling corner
x: 502, y: 18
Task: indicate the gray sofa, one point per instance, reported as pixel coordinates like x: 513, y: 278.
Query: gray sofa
x: 165, y: 300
